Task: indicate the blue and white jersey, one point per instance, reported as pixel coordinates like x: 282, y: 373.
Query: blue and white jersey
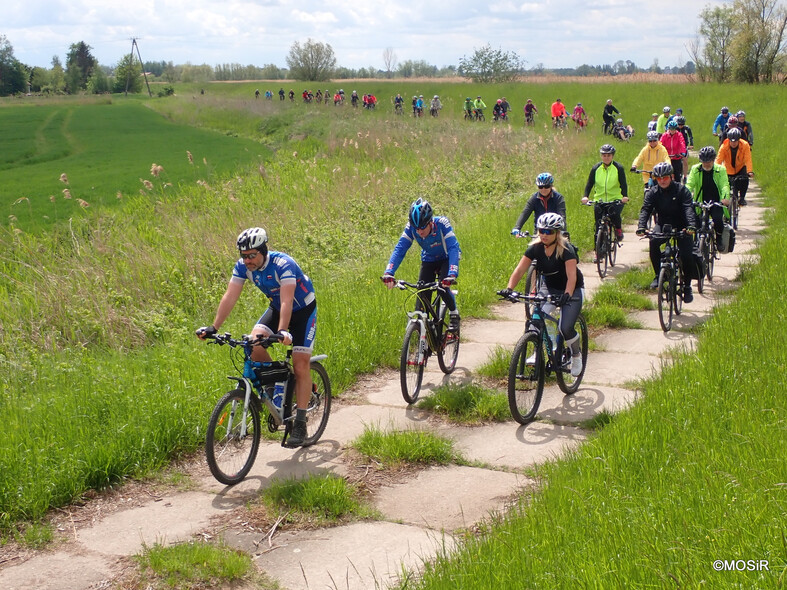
x: 440, y: 244
x: 280, y: 269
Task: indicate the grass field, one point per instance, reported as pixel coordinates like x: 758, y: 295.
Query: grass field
x: 102, y: 377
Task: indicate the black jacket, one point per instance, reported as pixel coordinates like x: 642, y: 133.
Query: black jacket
x: 554, y: 204
x: 673, y: 206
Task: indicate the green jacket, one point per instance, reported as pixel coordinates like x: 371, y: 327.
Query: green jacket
x: 694, y: 183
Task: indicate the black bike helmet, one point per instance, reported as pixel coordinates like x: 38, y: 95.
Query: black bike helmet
x: 724, y: 110
x: 254, y: 238
x: 420, y: 213
x: 734, y: 133
x: 607, y: 148
x: 681, y: 120
x: 662, y: 169
x: 707, y: 154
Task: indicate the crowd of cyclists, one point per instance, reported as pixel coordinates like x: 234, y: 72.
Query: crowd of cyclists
x: 672, y: 194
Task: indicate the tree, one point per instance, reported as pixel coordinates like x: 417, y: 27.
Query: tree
x: 128, y: 71
x: 389, y: 59
x: 491, y: 65
x: 312, y: 62
x: 711, y: 50
x: 759, y: 40
x: 13, y: 73
x: 79, y: 65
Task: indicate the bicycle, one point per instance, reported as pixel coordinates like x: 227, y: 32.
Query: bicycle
x: 533, y: 279
x: 536, y: 356
x: 706, y: 243
x: 478, y: 115
x: 427, y: 333
x: 606, y: 239
x: 735, y: 200
x: 398, y: 108
x: 234, y: 430
x: 671, y: 277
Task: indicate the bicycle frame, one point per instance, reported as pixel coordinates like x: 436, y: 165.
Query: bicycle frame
x: 425, y: 318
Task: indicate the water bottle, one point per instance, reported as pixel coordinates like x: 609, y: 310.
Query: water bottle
x: 278, y: 395
x: 552, y: 331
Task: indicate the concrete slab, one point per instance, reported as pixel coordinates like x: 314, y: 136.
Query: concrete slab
x: 635, y: 342
x: 358, y: 556
x: 423, y: 500
x: 585, y: 404
x: 351, y: 421
x: 615, y: 368
x: 58, y: 571
x: 497, y: 332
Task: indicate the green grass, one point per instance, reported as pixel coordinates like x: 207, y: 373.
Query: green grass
x: 192, y: 565
x: 468, y: 403
x: 496, y: 367
x: 613, y: 301
x: 399, y: 448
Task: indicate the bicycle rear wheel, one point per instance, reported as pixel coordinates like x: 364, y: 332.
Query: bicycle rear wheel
x: 565, y: 380
x: 233, y: 437
x: 449, y: 344
x: 526, y: 378
x: 411, y: 372
x: 665, y: 299
x: 319, y: 407
x: 601, y: 251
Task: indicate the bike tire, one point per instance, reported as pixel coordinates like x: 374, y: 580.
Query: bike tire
x: 481, y: 117
x: 449, y: 344
x: 665, y: 299
x: 712, y: 249
x: 230, y: 456
x: 411, y: 374
x: 734, y: 210
x: 567, y: 383
x: 526, y: 380
x: 677, y: 293
x: 601, y: 251
x: 319, y: 408
x: 531, y: 288
x: 612, y: 252
x: 702, y: 271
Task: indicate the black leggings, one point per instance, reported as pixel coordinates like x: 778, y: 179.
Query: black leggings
x: 568, y: 315
x: 439, y: 270
x: 686, y: 248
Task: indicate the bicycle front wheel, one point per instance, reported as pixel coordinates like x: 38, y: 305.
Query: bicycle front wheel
x: 612, y: 250
x: 703, y: 268
x: 526, y: 378
x: 679, y: 280
x: 734, y: 209
x: 601, y: 251
x: 233, y: 437
x: 531, y: 288
x: 411, y: 372
x: 565, y: 380
x: 712, y: 249
x: 665, y: 299
x: 449, y: 345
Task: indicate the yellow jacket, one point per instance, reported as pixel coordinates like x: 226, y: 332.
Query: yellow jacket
x: 649, y: 157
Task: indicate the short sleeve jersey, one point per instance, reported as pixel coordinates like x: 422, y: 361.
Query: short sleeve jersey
x: 552, y: 268
x: 280, y: 269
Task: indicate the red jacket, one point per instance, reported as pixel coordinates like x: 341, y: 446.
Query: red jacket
x: 675, y: 144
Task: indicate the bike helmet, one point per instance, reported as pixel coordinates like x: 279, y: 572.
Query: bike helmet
x: 619, y: 121
x: 550, y: 221
x: 544, y: 180
x: 724, y: 110
x: 707, y: 154
x: 665, y: 110
x: 653, y: 136
x: 732, y: 121
x: 672, y: 124
x: 681, y: 120
x: 678, y: 111
x: 436, y: 96
x: 254, y: 238
x: 734, y: 133
x: 662, y: 169
x: 499, y: 101
x: 740, y: 114
x: 655, y: 115
x: 468, y: 98
x: 420, y: 213
x: 529, y: 100
x: 607, y: 148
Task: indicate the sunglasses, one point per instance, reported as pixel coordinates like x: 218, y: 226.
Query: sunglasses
x: 652, y: 140
x: 249, y: 256
x: 546, y: 232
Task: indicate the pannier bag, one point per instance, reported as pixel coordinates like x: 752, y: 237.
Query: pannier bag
x: 727, y: 239
x: 272, y: 372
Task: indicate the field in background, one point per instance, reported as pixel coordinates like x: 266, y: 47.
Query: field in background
x: 102, y: 377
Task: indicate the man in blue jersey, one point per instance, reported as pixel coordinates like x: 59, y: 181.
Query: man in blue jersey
x: 292, y: 312
x: 440, y: 253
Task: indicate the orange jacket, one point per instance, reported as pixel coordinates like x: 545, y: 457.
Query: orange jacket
x: 559, y: 109
x: 742, y: 158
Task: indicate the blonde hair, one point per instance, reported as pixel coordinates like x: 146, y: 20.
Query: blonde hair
x: 560, y: 243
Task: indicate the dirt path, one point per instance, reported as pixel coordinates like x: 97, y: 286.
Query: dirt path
x: 421, y: 510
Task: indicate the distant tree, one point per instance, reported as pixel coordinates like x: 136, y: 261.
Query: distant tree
x: 79, y: 65
x: 13, y: 73
x: 491, y: 65
x: 195, y: 74
x: 312, y: 61
x: 128, y: 71
x: 711, y: 50
x: 271, y: 72
x: 654, y: 67
x: 169, y: 73
x: 98, y: 83
x: 40, y: 78
x: 389, y: 59
x: 57, y: 83
x: 406, y: 69
x: 759, y: 40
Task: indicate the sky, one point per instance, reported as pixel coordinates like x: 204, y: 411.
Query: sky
x: 557, y: 34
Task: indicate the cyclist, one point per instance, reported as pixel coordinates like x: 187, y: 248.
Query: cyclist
x: 672, y: 202
x: 676, y: 148
x: 732, y: 123
x: 354, y: 98
x: 654, y: 120
x: 745, y: 127
x: 545, y: 200
x: 621, y: 131
x: 292, y: 312
x: 688, y: 137
x: 580, y: 116
x: 506, y: 106
x: 419, y: 105
x: 720, y: 123
x: 479, y: 105
x: 281, y: 93
x: 735, y: 155
x: 650, y: 155
x: 530, y: 110
x: 435, y: 105
x: 557, y: 260
x: 398, y: 102
x: 440, y: 254
x: 607, y: 182
x: 415, y: 105
x: 708, y: 183
x: 661, y: 122
x: 469, y: 106
x: 608, y: 117
x: 559, y: 114
x: 497, y: 110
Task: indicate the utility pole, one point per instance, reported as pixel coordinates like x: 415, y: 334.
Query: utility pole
x: 141, y: 63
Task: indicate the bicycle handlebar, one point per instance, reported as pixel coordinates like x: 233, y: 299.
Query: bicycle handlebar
x: 515, y: 297
x: 245, y: 340
x: 614, y: 202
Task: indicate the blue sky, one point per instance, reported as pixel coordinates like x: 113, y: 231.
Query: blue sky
x: 556, y: 34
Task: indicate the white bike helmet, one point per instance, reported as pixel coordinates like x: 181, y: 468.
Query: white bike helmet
x: 550, y: 221
x: 254, y: 238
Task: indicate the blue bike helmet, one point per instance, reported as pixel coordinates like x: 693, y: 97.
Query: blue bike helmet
x: 673, y: 124
x: 662, y: 169
x: 707, y: 154
x: 544, y: 180
x: 420, y: 214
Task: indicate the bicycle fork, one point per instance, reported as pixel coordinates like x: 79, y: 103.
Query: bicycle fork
x: 247, y: 386
x: 419, y: 318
